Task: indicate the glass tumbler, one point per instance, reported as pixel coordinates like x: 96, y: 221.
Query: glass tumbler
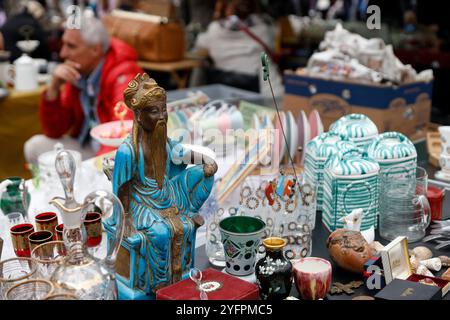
x: 14, y: 271
x: 47, y: 257
x: 404, y: 208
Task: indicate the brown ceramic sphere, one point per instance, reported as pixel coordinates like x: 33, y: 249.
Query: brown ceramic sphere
x: 349, y: 250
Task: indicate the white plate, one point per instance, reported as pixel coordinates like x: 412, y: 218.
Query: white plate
x: 107, y: 128
x: 306, y: 133
x: 256, y: 123
x: 283, y: 141
x: 293, y: 135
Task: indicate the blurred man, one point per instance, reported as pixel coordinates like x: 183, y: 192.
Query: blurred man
x: 234, y: 42
x: 83, y: 90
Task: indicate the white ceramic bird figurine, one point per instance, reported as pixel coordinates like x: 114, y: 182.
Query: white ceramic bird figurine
x: 353, y: 220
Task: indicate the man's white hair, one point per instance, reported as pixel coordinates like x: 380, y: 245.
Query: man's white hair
x: 92, y: 29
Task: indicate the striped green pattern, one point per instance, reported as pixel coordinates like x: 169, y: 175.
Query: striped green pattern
x: 317, y: 152
x: 351, y: 181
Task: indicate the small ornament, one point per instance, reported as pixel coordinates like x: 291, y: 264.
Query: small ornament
x: 446, y: 275
x: 339, y: 288
x: 422, y: 253
x: 445, y: 261
x: 414, y: 262
x: 433, y: 264
x: 422, y: 270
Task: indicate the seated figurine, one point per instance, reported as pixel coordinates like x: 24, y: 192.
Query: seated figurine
x: 161, y: 196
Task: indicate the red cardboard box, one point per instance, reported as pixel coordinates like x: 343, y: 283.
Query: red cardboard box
x: 222, y: 285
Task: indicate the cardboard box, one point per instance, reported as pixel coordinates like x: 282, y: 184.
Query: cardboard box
x: 220, y: 286
x: 396, y: 265
x: 163, y: 8
x: 405, y: 108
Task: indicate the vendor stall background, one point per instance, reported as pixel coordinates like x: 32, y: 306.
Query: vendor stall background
x: 20, y: 121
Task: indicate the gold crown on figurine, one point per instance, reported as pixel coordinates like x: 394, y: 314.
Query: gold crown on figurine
x: 143, y: 90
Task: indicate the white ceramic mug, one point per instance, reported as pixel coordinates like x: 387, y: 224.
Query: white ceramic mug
x: 24, y: 74
x: 444, y: 161
x: 444, y: 131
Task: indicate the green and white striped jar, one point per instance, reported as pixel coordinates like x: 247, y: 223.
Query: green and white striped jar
x: 351, y: 181
x: 395, y: 154
x: 317, y: 152
x: 357, y: 128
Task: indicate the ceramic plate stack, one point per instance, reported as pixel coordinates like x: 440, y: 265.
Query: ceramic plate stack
x: 304, y: 133
x: 395, y: 154
x: 358, y: 128
x: 317, y: 152
x: 351, y: 181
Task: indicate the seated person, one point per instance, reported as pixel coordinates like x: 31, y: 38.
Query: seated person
x: 236, y: 54
x: 83, y: 90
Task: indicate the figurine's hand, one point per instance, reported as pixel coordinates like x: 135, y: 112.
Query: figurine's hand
x: 210, y: 169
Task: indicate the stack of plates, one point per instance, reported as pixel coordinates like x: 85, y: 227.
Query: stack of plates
x: 358, y: 128
x: 351, y: 181
x: 395, y: 154
x: 317, y: 151
x: 291, y: 130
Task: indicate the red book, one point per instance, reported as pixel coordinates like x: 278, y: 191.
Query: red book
x: 222, y: 285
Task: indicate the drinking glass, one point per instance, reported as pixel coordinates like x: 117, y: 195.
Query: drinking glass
x: 47, y: 257
x: 14, y: 271
x: 61, y: 296
x: 39, y: 237
x: 35, y: 289
x: 93, y: 225
x: 19, y: 239
x: 15, y: 218
x: 404, y: 208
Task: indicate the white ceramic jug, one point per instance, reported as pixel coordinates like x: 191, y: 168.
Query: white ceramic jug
x: 25, y: 74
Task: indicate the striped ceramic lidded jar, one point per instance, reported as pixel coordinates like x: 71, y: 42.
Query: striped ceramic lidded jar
x: 317, y: 152
x: 395, y: 154
x: 351, y: 181
x: 357, y: 128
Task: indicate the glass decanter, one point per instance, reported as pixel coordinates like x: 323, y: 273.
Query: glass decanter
x: 88, y: 277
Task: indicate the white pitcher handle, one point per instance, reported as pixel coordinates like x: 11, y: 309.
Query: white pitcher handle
x: 11, y: 74
x: 426, y: 210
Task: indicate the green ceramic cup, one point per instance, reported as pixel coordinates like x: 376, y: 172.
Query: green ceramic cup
x: 241, y: 237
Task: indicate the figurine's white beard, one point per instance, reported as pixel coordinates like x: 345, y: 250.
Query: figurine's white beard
x: 159, y: 153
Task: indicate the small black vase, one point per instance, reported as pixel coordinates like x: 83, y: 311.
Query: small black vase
x: 274, y: 272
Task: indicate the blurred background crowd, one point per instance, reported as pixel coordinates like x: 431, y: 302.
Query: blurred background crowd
x: 289, y: 31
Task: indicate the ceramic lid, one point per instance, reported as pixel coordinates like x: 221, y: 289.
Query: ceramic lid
x: 355, y: 126
x: 24, y: 59
x: 351, y: 163
x: 327, y: 144
x: 391, y: 145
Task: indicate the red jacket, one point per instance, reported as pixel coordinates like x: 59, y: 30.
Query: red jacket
x: 65, y: 113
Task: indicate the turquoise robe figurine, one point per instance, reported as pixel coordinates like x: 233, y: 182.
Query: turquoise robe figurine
x: 160, y: 194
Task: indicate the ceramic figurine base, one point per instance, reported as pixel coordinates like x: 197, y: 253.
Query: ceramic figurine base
x: 250, y: 278
x: 126, y: 293
x: 441, y: 175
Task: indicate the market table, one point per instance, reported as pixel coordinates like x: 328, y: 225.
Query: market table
x: 320, y: 235
x: 20, y: 121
